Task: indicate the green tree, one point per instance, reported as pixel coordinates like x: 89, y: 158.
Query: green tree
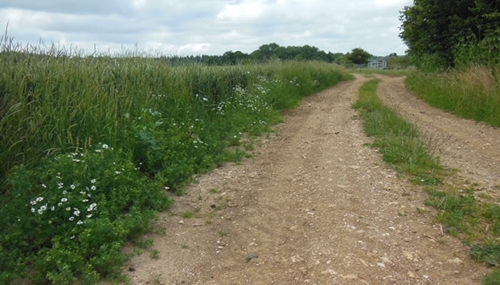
x: 335, y: 57
x: 438, y: 29
x: 309, y: 53
x: 265, y: 52
x: 398, y: 62
x: 232, y: 58
x: 358, y: 56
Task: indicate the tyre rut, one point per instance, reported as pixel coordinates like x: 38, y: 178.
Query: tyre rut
x: 315, y: 204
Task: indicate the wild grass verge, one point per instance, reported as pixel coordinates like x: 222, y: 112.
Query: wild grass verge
x: 90, y: 144
x: 475, y: 222
x: 471, y: 93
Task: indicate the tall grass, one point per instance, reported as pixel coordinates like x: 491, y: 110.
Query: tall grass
x: 52, y: 104
x: 472, y: 93
x: 88, y: 144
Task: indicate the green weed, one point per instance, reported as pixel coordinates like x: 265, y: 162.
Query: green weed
x: 155, y: 254
x: 492, y: 279
x: 147, y: 243
x: 157, y: 279
x: 475, y: 222
x: 455, y: 212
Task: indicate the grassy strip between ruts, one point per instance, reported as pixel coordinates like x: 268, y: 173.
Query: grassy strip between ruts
x: 475, y: 222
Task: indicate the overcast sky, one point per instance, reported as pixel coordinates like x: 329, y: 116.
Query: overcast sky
x: 195, y: 27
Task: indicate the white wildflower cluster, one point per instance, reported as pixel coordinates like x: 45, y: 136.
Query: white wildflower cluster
x: 197, y: 141
x: 219, y: 108
x: 85, y: 196
x: 240, y: 90
x: 262, y: 89
x: 294, y: 82
x: 264, y: 79
x: 118, y: 172
x: 158, y: 96
x: 75, y: 156
x: 152, y: 112
x: 41, y: 208
x: 202, y: 98
x: 102, y: 147
x: 268, y: 80
x: 251, y: 102
x: 139, y: 167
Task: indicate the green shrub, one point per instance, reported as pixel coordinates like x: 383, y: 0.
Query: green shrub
x: 69, y: 216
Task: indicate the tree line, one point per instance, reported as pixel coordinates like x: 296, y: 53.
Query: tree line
x: 274, y: 51
x: 263, y: 53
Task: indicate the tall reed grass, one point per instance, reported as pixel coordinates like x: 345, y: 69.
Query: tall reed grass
x: 88, y: 144
x: 472, y: 93
x: 52, y: 104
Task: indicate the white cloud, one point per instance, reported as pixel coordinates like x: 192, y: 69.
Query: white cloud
x: 197, y: 48
x: 208, y: 26
x: 138, y: 4
x: 391, y: 3
x: 241, y: 12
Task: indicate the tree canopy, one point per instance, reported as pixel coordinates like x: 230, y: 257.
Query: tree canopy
x: 358, y: 56
x: 447, y: 30
x: 263, y: 53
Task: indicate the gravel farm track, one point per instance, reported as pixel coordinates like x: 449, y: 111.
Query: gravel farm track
x: 316, y: 205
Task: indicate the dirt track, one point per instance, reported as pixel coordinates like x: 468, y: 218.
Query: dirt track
x: 319, y: 207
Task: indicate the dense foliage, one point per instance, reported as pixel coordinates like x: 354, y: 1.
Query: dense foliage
x: 90, y: 144
x: 264, y: 53
x: 449, y: 32
x: 358, y: 56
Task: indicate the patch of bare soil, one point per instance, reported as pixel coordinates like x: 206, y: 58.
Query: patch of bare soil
x: 316, y: 206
